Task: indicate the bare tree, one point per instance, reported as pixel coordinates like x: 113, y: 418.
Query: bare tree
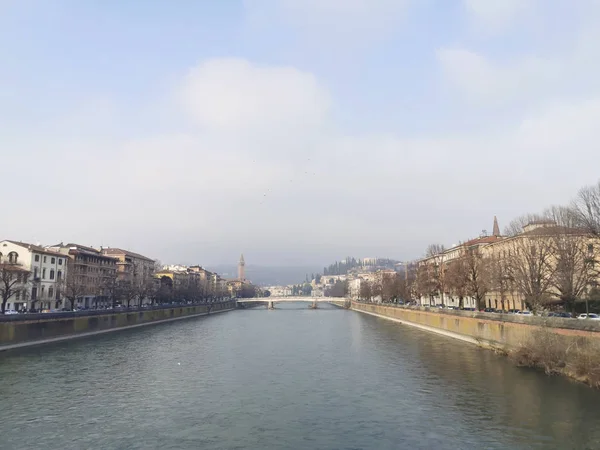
x: 339, y: 289
x: 405, y: 284
x: 366, y: 290
x: 457, y: 279
x: 575, y: 266
x: 126, y: 291
x: 500, y: 280
x: 144, y: 290
x: 478, y: 276
x: 404, y: 288
x: 434, y: 250
x: 111, y: 289
x: 389, y: 290
x: 426, y: 284
x: 12, y: 279
x: 438, y: 274
x: 73, y: 287
x: 530, y: 262
x: 586, y: 207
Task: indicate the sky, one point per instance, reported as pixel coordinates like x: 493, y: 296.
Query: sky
x: 294, y: 131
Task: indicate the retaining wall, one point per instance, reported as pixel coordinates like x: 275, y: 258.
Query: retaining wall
x: 30, y: 332
x: 502, y: 331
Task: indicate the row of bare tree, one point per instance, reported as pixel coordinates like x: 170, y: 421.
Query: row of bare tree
x: 13, y: 280
x: 553, y: 262
x: 389, y: 287
x: 151, y: 291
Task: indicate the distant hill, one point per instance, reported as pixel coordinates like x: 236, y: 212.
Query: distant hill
x: 346, y: 265
x: 268, y: 276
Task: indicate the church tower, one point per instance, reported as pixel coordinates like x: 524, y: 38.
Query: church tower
x: 241, y: 269
x: 496, y: 231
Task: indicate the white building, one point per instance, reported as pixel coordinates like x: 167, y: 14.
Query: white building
x: 354, y: 287
x: 47, y: 269
x: 280, y: 291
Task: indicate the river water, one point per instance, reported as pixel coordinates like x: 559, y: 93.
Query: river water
x: 291, y: 378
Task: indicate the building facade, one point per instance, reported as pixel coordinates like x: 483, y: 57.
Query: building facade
x: 92, y: 275
x: 132, y: 267
x: 44, y: 272
x: 542, y: 265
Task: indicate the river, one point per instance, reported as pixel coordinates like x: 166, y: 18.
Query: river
x: 291, y: 378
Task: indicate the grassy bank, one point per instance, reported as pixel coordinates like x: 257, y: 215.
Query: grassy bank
x: 557, y: 346
x: 576, y: 357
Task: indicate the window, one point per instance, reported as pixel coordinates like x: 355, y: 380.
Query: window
x: 60, y: 261
x: 18, y: 295
x: 44, y: 259
x: 43, y: 288
x: 35, y: 273
x: 34, y: 293
x: 51, y: 292
x: 43, y: 274
x: 59, y: 275
x: 52, y: 260
x: 13, y: 257
x: 52, y: 274
x: 37, y: 258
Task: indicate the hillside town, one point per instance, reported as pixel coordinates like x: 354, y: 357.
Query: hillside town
x: 67, y: 277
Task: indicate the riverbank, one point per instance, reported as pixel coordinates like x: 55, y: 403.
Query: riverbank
x: 558, y: 346
x: 39, y: 331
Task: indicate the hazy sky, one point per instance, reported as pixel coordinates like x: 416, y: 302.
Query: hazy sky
x: 295, y: 131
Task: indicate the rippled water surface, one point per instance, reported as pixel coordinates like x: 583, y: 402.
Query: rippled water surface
x: 292, y: 378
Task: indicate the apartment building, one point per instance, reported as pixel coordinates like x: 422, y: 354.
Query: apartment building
x: 43, y: 272
x: 90, y: 271
x: 131, y: 267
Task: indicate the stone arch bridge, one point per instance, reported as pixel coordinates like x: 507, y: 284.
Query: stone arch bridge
x: 271, y: 301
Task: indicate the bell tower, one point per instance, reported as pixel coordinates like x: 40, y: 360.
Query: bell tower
x: 496, y: 231
x: 241, y: 269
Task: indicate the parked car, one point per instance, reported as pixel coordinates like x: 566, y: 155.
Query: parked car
x: 525, y: 313
x: 590, y: 316
x: 491, y: 310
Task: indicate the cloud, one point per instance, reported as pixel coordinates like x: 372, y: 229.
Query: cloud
x: 390, y: 193
x: 233, y: 95
x: 216, y: 185
x: 495, y: 16
x: 562, y: 64
x: 250, y: 155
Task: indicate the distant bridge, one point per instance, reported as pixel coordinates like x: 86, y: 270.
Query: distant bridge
x: 270, y: 301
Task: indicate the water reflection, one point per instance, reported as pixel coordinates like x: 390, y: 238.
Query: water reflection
x: 489, y: 391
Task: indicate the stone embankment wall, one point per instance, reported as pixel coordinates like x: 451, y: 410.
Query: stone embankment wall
x: 31, y: 332
x: 498, y: 331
